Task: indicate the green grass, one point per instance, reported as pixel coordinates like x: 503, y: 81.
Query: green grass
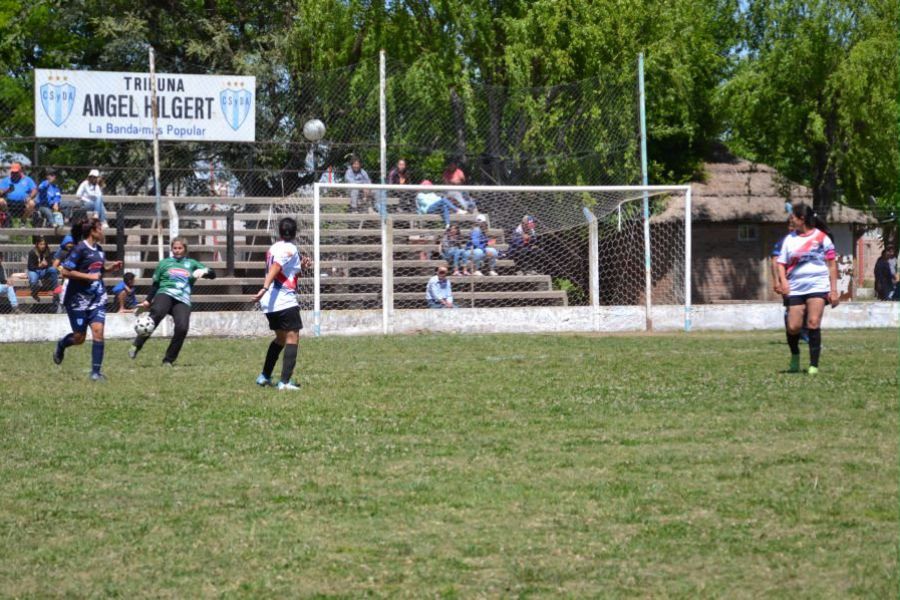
x: 455, y: 466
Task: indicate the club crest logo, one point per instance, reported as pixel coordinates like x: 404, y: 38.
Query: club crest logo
x: 58, y: 101
x: 236, y: 105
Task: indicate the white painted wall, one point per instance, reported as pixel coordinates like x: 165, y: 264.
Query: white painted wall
x: 609, y: 319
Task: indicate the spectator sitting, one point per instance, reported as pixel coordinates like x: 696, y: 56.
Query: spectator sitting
x: 438, y: 292
x: 432, y: 203
x: 356, y: 174
x: 399, y: 175
x: 90, y: 192
x: 123, y: 293
x: 40, y: 269
x: 50, y: 200
x: 453, y: 175
x: 453, y: 251
x: 479, y: 247
x: 19, y: 191
x: 523, y: 246
x: 7, y: 288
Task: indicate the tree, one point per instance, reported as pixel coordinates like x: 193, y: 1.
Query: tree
x: 815, y: 96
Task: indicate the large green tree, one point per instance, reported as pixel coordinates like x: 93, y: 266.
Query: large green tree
x: 815, y: 95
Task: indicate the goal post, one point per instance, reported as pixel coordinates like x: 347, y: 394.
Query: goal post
x: 376, y: 246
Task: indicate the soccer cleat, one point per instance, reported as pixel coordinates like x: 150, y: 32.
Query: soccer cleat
x: 813, y: 370
x: 133, y: 352
x: 167, y: 363
x: 795, y: 364
x: 290, y: 385
x: 98, y: 377
x: 263, y: 381
x: 58, y: 356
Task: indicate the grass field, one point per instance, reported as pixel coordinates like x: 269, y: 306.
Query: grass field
x: 455, y: 466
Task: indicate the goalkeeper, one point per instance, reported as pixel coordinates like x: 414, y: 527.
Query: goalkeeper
x: 171, y: 295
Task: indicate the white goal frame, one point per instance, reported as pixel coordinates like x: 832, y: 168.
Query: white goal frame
x: 387, y: 239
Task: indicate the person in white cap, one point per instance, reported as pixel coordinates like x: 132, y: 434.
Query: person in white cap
x: 90, y: 192
x: 480, y: 247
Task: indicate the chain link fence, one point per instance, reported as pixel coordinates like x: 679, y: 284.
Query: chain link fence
x: 228, y: 196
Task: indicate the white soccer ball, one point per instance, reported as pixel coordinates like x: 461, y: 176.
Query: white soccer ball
x: 144, y: 325
x: 314, y: 130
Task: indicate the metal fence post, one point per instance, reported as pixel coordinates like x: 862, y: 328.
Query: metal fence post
x: 120, y: 233
x: 593, y: 264
x: 229, y: 243
x: 387, y: 275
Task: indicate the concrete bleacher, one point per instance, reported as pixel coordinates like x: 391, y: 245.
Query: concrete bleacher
x: 350, y: 247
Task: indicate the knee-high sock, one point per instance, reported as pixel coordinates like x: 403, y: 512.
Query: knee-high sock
x: 815, y: 346
x: 794, y: 343
x: 287, y: 365
x: 96, y: 357
x: 271, y: 358
x: 64, y: 343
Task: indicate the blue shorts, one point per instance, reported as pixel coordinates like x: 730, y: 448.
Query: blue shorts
x: 81, y: 319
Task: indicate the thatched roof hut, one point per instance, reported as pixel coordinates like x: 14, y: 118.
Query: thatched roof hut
x: 739, y: 190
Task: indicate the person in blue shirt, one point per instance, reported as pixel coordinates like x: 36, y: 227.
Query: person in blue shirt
x: 49, y: 200
x: 480, y: 246
x: 85, y: 297
x: 124, y: 298
x: 18, y: 191
x: 438, y: 292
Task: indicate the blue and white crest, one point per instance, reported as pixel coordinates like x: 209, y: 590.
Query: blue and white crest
x: 236, y: 105
x: 58, y: 101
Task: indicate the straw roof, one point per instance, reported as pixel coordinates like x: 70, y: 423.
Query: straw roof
x: 738, y: 190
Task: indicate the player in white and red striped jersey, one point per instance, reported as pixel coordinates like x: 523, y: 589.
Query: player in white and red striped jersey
x: 278, y: 300
x: 808, y: 274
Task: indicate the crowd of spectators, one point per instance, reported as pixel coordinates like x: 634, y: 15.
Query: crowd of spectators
x: 22, y: 202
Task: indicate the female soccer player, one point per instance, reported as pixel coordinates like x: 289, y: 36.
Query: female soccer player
x: 85, y: 298
x: 278, y: 300
x: 808, y: 274
x: 171, y: 295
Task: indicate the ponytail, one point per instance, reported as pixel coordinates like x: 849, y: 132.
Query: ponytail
x: 810, y: 217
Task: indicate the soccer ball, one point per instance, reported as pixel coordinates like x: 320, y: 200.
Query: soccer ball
x: 144, y: 325
x: 314, y: 130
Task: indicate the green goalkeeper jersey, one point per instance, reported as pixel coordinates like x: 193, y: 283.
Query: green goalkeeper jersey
x: 175, y: 277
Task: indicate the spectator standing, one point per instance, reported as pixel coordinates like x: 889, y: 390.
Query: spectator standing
x: 90, y: 192
x: 453, y: 250
x: 884, y: 282
x: 41, y: 270
x: 123, y: 292
x: 356, y: 174
x: 481, y: 247
x: 7, y: 288
x: 438, y: 292
x: 19, y: 191
x: 49, y: 200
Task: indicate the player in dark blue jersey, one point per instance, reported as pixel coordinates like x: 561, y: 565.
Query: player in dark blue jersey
x: 85, y: 297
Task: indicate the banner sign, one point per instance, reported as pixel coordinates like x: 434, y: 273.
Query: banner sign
x: 117, y: 106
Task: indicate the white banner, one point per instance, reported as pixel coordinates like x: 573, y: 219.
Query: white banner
x: 115, y: 105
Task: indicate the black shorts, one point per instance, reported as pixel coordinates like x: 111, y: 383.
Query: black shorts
x: 802, y: 298
x: 285, y: 320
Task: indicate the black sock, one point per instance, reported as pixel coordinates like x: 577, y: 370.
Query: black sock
x: 287, y: 365
x: 64, y: 343
x: 794, y: 342
x: 271, y: 358
x: 815, y: 346
x: 96, y: 357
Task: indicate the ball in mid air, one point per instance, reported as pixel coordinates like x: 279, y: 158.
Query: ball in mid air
x: 314, y: 130
x: 144, y: 325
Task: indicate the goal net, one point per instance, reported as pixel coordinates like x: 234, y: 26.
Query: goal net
x: 376, y: 246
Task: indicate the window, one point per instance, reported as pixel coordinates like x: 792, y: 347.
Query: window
x: 748, y: 233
